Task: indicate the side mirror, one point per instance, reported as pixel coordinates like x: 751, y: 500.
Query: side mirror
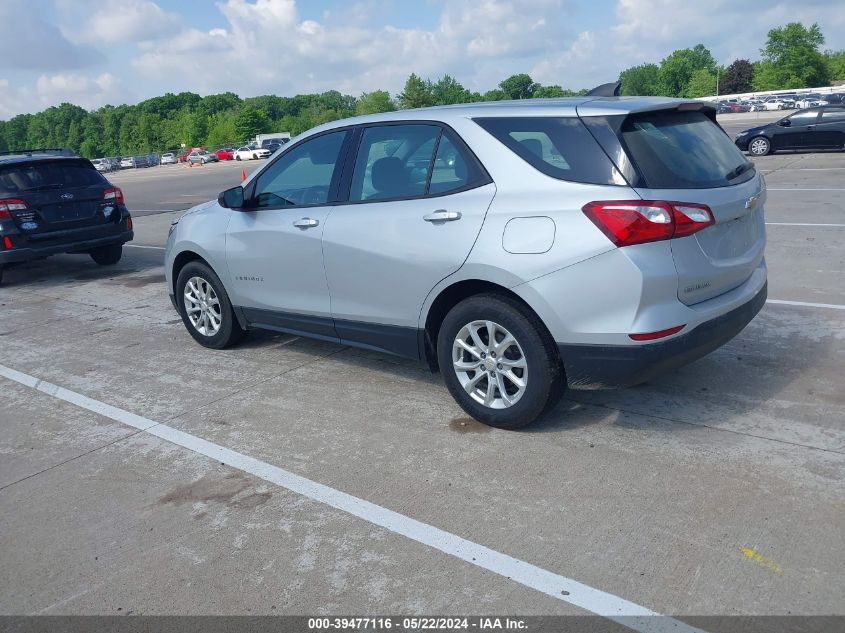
x: 231, y: 198
x: 784, y: 122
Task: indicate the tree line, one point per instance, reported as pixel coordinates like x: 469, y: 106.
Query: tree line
x: 791, y: 58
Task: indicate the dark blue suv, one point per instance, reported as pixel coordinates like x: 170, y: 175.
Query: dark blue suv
x: 54, y: 202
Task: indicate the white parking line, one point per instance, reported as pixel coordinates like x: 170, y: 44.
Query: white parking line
x: 832, y: 306
x: 155, y: 248
x: 798, y: 224
x: 800, y: 189
x: 559, y: 587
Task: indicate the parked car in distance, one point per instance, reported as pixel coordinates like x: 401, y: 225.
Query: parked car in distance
x: 723, y: 108
x: 808, y: 101
x: 201, y: 157
x: 520, y: 248
x: 127, y: 162
x: 183, y: 157
x: 225, y: 153
x: 815, y: 128
x: 141, y: 161
x: 101, y: 164
x: 51, y: 204
x: 168, y: 158
x: 248, y: 152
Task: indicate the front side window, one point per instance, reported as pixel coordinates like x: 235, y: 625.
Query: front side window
x: 804, y: 118
x: 303, y: 176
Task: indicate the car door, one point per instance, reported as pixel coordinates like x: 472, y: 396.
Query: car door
x: 796, y: 134
x: 273, y: 246
x: 830, y: 128
x: 416, y: 200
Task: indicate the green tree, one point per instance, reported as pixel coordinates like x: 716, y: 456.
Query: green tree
x: 738, y: 77
x: 641, y: 80
x: 835, y: 64
x: 677, y: 69
x: 701, y: 84
x: 221, y: 129
x: 447, y: 91
x: 374, y: 102
x: 249, y: 123
x: 791, y: 58
x: 518, y: 86
x: 417, y: 93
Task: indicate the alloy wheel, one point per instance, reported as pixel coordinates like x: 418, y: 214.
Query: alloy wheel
x: 490, y: 364
x: 202, y: 306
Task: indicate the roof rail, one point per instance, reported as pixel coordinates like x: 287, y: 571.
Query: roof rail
x: 606, y: 90
x: 59, y: 151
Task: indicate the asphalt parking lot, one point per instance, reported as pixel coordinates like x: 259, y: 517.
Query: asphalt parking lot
x: 143, y: 474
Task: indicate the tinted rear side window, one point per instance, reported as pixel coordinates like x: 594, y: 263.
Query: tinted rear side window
x: 560, y: 147
x: 683, y: 150
x: 48, y: 175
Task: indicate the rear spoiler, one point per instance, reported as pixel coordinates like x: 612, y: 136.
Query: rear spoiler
x: 56, y: 151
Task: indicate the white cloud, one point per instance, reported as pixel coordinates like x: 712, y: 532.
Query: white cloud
x: 129, y: 21
x: 267, y: 48
x: 649, y: 30
x: 28, y: 42
x: 255, y: 47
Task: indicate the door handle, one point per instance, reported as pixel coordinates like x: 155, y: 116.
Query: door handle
x: 306, y: 223
x: 442, y: 215
x: 810, y: 127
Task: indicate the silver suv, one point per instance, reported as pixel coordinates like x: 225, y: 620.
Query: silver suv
x: 519, y: 247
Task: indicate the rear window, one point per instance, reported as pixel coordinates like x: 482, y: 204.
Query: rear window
x: 25, y: 177
x: 683, y: 150
x: 560, y: 147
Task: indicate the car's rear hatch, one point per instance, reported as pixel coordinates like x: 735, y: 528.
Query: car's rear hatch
x: 676, y: 152
x: 59, y: 195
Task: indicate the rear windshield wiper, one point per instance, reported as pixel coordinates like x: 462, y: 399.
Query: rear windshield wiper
x: 53, y: 185
x: 739, y: 170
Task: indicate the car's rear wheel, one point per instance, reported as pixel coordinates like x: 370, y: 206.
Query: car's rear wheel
x: 498, y: 361
x: 237, y: 157
x: 205, y: 307
x: 759, y: 146
x: 107, y: 255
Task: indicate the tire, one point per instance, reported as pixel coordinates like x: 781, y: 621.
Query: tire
x: 255, y: 157
x: 237, y: 157
x: 533, y: 360
x: 759, y: 146
x: 107, y: 255
x: 206, y: 286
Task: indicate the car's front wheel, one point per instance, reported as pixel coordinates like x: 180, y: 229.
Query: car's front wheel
x: 205, y: 307
x: 107, y: 255
x: 759, y: 146
x: 498, y: 361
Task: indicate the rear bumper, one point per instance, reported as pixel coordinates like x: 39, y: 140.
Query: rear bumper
x: 30, y: 252
x: 609, y: 366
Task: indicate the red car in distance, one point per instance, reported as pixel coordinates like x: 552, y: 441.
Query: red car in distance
x: 225, y: 153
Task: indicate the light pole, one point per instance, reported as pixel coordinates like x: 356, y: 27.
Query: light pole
x: 717, y: 81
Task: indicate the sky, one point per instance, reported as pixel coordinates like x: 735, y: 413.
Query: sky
x: 94, y: 52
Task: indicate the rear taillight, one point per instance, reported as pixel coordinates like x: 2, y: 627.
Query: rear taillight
x: 7, y: 242
x: 7, y: 206
x: 129, y: 223
x: 627, y: 222
x: 113, y: 194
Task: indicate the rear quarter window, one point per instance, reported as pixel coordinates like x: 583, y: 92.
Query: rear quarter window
x: 560, y: 147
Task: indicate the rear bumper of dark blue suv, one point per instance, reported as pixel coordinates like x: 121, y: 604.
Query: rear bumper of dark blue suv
x: 32, y: 251
x: 611, y: 366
